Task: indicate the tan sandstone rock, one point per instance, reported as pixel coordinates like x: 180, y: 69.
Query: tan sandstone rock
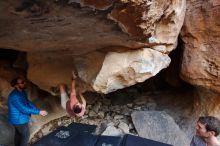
x: 66, y: 31
x: 201, y: 36
x: 120, y: 70
x: 103, y: 72
x: 156, y: 22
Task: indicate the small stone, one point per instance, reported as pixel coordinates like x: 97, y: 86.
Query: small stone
x: 85, y: 117
x: 130, y: 105
x: 97, y: 106
x: 112, y: 131
x: 125, y: 120
x: 40, y: 134
x: 108, y: 117
x: 101, y: 114
x: 105, y: 108
x: 117, y: 117
x: 115, y: 108
x: 93, y: 122
x: 88, y: 107
x: 59, y: 123
x: 111, y: 124
x: 46, y: 130
x: 124, y: 127
x: 137, y: 108
x: 92, y: 114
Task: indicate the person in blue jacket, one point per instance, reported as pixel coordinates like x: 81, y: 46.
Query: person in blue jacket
x: 20, y: 110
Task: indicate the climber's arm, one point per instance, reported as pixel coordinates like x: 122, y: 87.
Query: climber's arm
x: 73, y: 88
x: 83, y: 100
x: 63, y: 95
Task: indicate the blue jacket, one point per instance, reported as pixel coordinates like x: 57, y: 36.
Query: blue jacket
x: 20, y: 108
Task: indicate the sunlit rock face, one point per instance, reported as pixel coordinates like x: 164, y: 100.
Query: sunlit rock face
x: 201, y: 36
x: 103, y: 72
x: 156, y: 22
x: 120, y: 70
x: 71, y: 35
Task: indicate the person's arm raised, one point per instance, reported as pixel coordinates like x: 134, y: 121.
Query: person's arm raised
x: 63, y: 95
x: 82, y: 99
x: 73, y: 88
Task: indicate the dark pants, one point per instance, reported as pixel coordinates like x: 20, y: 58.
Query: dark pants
x: 22, y: 134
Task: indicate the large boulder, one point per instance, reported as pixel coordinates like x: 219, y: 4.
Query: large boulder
x: 117, y: 71
x: 159, y: 126
x: 201, y: 36
x: 54, y: 32
x: 155, y: 22
x: 120, y: 70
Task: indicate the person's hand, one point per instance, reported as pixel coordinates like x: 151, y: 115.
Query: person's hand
x: 43, y: 113
x: 73, y: 75
x: 62, y: 88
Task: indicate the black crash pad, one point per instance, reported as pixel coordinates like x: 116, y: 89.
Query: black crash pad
x: 109, y: 141
x: 77, y: 134
x: 59, y: 137
x: 131, y: 140
x: 82, y: 128
x: 66, y: 135
x: 83, y: 139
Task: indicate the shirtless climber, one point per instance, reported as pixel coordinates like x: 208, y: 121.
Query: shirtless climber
x: 72, y: 104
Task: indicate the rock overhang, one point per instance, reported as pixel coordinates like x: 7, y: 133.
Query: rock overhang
x: 55, y: 40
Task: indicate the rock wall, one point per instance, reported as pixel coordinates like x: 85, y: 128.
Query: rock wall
x: 162, y: 123
x: 201, y: 36
x: 112, y: 45
x: 47, y: 70
x: 54, y: 32
x: 208, y: 102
